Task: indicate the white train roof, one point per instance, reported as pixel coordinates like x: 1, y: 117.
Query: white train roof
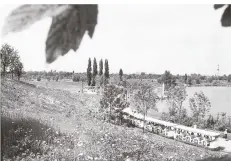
x: 150, y: 119
x: 165, y: 123
x: 200, y: 131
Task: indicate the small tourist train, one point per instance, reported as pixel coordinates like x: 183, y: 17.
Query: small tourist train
x: 181, y: 133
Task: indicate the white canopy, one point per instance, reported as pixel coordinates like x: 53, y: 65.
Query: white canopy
x: 165, y: 123
x: 200, y: 131
x: 150, y: 119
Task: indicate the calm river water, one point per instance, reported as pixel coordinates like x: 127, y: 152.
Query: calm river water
x: 220, y: 98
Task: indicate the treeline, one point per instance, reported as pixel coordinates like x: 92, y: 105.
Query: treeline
x: 95, y: 76
x: 54, y: 75
x: 142, y: 75
x: 10, y: 62
x: 194, y: 80
x: 189, y: 79
x: 197, y: 79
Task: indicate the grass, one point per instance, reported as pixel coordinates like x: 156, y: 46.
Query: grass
x: 29, y: 138
x: 64, y: 85
x: 74, y: 132
x: 223, y: 158
x: 24, y: 137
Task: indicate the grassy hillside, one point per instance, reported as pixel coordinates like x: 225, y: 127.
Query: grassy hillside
x: 49, y: 124
x: 68, y: 85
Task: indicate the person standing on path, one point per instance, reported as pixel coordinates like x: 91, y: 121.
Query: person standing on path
x: 47, y: 83
x: 225, y: 133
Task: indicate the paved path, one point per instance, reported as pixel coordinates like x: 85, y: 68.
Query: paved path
x: 222, y: 142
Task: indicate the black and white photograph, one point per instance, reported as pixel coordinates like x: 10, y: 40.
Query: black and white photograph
x: 115, y: 81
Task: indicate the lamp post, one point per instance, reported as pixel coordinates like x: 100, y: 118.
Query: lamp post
x: 82, y: 86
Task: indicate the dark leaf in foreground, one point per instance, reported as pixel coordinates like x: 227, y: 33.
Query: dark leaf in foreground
x: 69, y: 23
x: 217, y: 6
x: 226, y: 17
x: 26, y: 15
x: 68, y: 28
x: 65, y: 34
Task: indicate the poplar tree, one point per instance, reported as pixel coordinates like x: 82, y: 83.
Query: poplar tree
x: 100, y: 67
x: 185, y: 78
x: 95, y: 72
x: 89, y: 74
x: 106, y: 72
x: 121, y: 74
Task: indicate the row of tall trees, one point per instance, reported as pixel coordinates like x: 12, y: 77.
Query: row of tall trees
x: 10, y: 61
x: 92, y: 73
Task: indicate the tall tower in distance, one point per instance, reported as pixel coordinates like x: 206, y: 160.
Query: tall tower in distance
x: 218, y: 70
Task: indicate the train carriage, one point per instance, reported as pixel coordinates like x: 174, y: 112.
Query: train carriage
x: 178, y: 132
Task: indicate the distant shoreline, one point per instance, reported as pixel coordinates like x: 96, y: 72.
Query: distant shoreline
x: 228, y: 85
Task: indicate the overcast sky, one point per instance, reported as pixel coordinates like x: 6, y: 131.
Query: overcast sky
x: 138, y: 38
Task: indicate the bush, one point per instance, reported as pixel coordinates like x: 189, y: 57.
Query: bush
x: 60, y: 77
x: 165, y: 116
x: 188, y: 121
x: 39, y: 78
x: 48, y: 78
x: 76, y: 78
x: 216, y: 83
x: 57, y: 78
x: 222, y: 127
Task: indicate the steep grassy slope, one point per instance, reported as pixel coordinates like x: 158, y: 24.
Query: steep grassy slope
x: 53, y: 124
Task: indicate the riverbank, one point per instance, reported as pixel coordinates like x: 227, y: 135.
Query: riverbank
x: 211, y: 85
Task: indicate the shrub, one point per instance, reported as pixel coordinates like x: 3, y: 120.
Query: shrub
x: 53, y: 78
x: 216, y: 83
x: 39, y: 78
x: 57, y: 78
x: 76, y: 78
x: 188, y: 121
x: 222, y: 127
x: 48, y: 78
x: 165, y: 116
